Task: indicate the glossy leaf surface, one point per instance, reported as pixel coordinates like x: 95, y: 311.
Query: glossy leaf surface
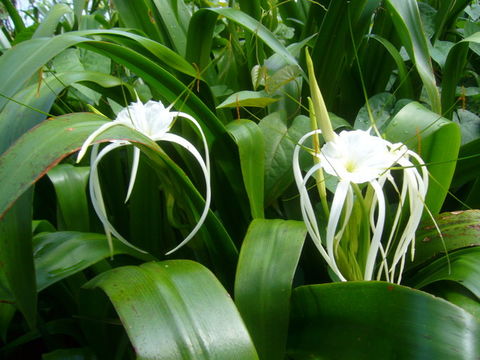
x: 176, y: 310
x: 267, y: 264
x: 377, y: 320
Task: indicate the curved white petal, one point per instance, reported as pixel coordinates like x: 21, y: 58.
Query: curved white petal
x: 206, y: 173
x: 91, y: 138
x: 133, y: 174
x: 378, y: 229
x: 335, y: 212
x: 97, y: 198
x: 308, y: 213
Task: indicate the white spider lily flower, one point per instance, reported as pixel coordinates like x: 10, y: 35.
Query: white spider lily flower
x: 354, y: 158
x: 154, y: 121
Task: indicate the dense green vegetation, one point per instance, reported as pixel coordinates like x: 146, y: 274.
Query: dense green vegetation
x: 88, y: 272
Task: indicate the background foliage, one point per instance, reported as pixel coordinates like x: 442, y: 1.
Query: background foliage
x: 250, y: 285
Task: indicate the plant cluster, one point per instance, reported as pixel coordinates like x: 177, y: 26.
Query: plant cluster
x: 240, y: 179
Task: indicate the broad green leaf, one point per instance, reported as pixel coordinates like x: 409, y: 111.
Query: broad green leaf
x: 176, y: 309
x: 48, y: 25
x: 406, y: 17
x: 70, y: 187
x: 64, y: 253
x: 381, y: 106
x: 267, y: 264
x: 282, y: 77
x: 280, y: 140
x: 377, y: 320
x: 459, y: 229
x: 435, y: 139
x: 462, y: 266
x: 247, y: 98
x: 440, y: 52
x: 469, y: 125
x: 458, y: 295
x: 258, y: 74
x: 16, y: 256
x: 251, y: 147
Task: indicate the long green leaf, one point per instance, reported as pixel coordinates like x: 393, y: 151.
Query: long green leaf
x: 39, y: 150
x: 458, y: 229
x: 138, y: 15
x: 453, y: 70
x: 267, y: 264
x: 48, y: 26
x: 377, y: 320
x: 32, y: 103
x: 64, y: 253
x: 406, y: 17
x: 70, y: 187
x: 333, y: 51
x: 16, y: 255
x: 462, y: 266
x: 446, y: 15
x: 249, y: 139
x: 405, y: 84
x: 176, y: 310
x: 199, y: 43
x: 21, y: 62
x: 174, y: 16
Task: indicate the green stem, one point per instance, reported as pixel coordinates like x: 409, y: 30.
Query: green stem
x: 322, y: 191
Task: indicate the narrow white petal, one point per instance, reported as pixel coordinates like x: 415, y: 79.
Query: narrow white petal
x: 335, y: 212
x: 97, y: 198
x: 206, y: 173
x: 308, y: 213
x: 133, y: 174
x: 91, y: 138
x: 378, y: 230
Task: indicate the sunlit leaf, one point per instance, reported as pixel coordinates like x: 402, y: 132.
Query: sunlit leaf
x: 176, y: 309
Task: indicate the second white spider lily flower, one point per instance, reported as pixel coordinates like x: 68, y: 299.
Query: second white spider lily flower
x: 354, y: 158
x: 154, y: 121
x: 355, y: 236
